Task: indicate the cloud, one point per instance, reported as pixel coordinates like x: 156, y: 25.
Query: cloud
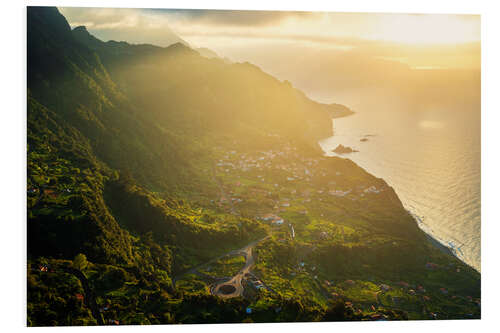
x: 338, y: 30
x: 127, y: 24
x: 102, y: 18
x: 321, y: 53
x: 247, y: 18
x: 126, y: 18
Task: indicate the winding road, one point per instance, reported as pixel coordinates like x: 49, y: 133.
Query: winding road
x: 235, y: 281
x: 233, y: 287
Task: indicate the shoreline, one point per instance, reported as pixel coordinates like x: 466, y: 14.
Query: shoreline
x: 434, y: 240
x: 438, y: 243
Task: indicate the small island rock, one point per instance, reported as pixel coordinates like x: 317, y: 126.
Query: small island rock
x: 341, y: 149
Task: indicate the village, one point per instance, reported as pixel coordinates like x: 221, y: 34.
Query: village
x: 281, y: 178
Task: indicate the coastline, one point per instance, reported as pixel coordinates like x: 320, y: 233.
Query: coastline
x: 340, y: 111
x: 439, y: 243
x: 435, y: 241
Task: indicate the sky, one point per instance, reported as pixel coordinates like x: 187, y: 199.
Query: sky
x: 317, y: 51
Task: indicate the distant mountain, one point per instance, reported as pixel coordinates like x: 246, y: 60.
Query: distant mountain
x: 339, y: 110
x: 207, y: 53
x: 166, y: 78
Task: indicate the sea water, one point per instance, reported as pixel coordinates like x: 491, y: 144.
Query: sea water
x: 432, y: 160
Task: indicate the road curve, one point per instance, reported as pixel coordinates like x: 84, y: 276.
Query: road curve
x: 235, y: 281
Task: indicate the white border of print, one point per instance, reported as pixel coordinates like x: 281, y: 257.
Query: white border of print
x: 13, y: 139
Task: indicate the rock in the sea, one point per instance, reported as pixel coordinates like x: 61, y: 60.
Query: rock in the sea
x: 341, y: 149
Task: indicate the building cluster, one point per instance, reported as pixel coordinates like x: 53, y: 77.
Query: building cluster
x: 254, y: 282
x: 272, y: 218
x: 286, y: 159
x: 294, y: 174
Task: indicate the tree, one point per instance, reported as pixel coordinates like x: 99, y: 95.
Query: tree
x: 80, y: 262
x: 335, y: 312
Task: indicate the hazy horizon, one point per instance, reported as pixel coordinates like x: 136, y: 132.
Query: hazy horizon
x: 327, y: 55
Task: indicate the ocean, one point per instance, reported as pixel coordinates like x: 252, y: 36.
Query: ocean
x: 433, y: 161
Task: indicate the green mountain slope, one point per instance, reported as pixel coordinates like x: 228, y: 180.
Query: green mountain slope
x: 186, y: 91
